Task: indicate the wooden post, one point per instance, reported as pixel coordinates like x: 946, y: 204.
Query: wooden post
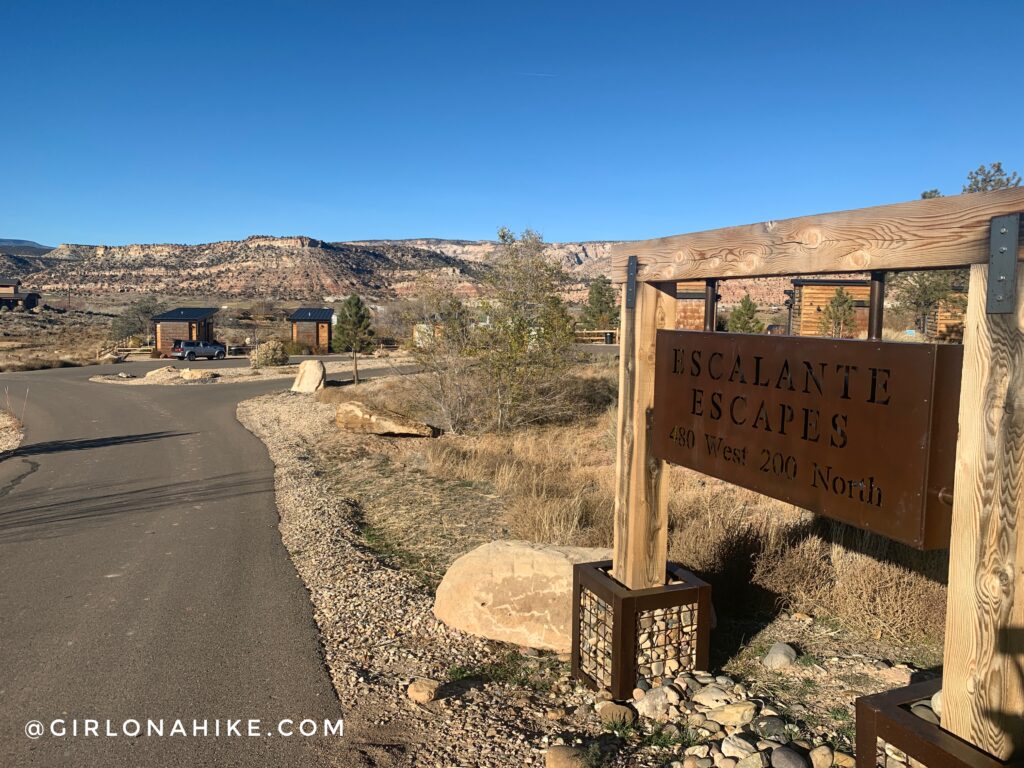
x: 640, y: 550
x: 983, y: 670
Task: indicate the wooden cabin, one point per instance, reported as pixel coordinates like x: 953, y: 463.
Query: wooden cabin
x: 690, y: 305
x: 311, y: 327
x: 810, y: 297
x: 12, y: 297
x: 946, y: 322
x: 184, y: 323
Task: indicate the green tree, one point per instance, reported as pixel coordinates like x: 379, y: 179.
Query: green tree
x: 525, y: 344
x: 743, y: 319
x: 442, y: 330
x: 839, y: 318
x: 988, y: 177
x: 600, y: 311
x: 919, y: 293
x: 136, y: 319
x: 354, y: 331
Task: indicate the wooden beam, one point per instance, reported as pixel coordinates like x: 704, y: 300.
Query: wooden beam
x: 640, y: 549
x: 941, y: 232
x: 983, y: 670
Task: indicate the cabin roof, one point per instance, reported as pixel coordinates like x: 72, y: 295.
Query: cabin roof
x: 185, y: 314
x: 311, y: 314
x: 7, y: 282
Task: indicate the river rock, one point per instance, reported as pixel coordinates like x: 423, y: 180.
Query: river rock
x: 711, y: 696
x: 784, y: 757
x: 359, y: 417
x: 779, y: 656
x: 755, y: 760
x: 821, y: 757
x: 423, y: 690
x: 655, y: 704
x: 740, y: 713
x: 514, y: 591
x: 311, y: 377
x: 737, y: 746
x: 611, y: 713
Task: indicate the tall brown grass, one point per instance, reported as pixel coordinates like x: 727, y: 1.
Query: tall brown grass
x: 557, y: 483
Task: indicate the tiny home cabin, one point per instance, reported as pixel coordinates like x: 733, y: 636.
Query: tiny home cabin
x: 311, y: 327
x: 810, y: 297
x: 945, y: 322
x: 184, y: 323
x: 12, y: 297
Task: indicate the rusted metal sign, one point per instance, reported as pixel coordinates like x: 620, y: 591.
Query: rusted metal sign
x: 860, y: 431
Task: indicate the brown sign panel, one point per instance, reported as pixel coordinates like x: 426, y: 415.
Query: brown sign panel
x: 860, y: 431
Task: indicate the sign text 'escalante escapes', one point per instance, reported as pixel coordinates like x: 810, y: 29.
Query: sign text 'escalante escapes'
x: 860, y: 431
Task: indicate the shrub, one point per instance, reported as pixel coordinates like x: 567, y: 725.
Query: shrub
x: 295, y: 348
x: 269, y: 353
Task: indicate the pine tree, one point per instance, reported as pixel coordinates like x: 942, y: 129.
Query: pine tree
x: 600, y: 311
x: 354, y: 332
x: 921, y: 292
x: 838, y: 320
x: 743, y: 319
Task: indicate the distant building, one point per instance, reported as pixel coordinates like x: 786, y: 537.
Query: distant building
x: 185, y: 324
x: 12, y: 297
x: 311, y: 326
x: 946, y: 321
x: 810, y: 297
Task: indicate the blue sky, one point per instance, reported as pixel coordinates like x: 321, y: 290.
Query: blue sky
x: 189, y: 122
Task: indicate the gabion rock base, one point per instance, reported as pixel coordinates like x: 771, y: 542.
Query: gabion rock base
x: 626, y: 638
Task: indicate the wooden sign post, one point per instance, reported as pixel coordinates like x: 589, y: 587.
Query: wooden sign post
x: 983, y: 698
x: 983, y: 669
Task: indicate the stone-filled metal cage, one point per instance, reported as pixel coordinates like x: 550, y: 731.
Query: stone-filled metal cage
x: 623, y: 636
x: 886, y: 719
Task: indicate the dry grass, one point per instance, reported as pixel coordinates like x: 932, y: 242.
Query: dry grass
x: 557, y: 485
x: 33, y: 362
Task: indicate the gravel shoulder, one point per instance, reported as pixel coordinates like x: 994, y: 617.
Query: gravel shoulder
x: 377, y: 626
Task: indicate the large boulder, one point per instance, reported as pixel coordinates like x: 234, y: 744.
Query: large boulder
x: 514, y: 591
x: 311, y: 377
x: 355, y: 416
x: 165, y: 373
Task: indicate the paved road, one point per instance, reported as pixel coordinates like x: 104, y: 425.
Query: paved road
x: 142, y: 575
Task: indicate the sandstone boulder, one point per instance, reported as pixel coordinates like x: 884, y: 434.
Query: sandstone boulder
x: 164, y: 373
x: 514, y: 591
x: 190, y: 374
x: 311, y: 377
x: 359, y: 417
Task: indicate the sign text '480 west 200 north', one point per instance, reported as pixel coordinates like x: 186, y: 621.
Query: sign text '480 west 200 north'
x: 860, y: 431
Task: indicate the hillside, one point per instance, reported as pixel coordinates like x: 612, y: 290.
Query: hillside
x: 303, y: 268
x: 285, y: 267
